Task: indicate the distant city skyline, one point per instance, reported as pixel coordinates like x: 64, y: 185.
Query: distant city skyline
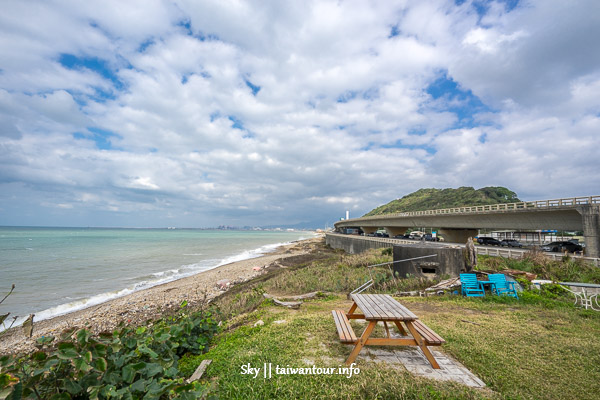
x: 205, y: 113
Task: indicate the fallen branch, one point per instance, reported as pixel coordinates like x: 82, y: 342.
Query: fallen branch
x: 199, y: 371
x: 470, y: 322
x: 305, y: 296
x: 287, y: 304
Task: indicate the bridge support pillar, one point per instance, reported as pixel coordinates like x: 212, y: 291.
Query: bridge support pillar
x: 590, y: 216
x: 368, y: 229
x: 396, y: 230
x: 457, y: 235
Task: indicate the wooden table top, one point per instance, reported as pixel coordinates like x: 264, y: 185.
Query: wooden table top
x: 382, y: 307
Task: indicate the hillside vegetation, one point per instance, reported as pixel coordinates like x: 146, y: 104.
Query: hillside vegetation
x: 431, y: 199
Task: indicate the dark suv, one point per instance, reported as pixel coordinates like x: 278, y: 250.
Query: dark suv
x: 510, y: 243
x: 488, y: 241
x: 559, y: 247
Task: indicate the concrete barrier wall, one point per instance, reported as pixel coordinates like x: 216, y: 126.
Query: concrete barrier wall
x: 355, y: 244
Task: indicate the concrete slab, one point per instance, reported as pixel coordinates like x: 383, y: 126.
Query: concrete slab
x: 413, y: 360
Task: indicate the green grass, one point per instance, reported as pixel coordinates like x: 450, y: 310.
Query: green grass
x: 308, y: 337
x: 520, y: 349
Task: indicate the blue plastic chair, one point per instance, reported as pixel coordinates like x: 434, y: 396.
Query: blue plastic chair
x: 500, y: 286
x: 470, y: 286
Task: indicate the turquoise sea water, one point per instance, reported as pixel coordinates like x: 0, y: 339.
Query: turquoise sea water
x: 60, y: 270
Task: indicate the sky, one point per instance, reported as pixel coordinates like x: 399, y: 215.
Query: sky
x: 193, y: 113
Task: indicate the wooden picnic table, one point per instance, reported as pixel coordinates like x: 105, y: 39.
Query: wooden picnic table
x: 383, y: 308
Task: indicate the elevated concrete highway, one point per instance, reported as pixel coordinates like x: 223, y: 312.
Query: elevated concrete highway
x: 457, y: 224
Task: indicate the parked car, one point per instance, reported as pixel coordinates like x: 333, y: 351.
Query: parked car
x: 510, y: 243
x: 559, y: 247
x: 429, y: 237
x: 416, y: 235
x: 488, y: 241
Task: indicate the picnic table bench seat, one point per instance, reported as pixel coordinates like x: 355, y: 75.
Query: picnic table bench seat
x: 343, y: 327
x: 429, y: 336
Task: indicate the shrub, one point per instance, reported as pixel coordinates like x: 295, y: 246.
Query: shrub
x: 566, y: 270
x: 125, y: 364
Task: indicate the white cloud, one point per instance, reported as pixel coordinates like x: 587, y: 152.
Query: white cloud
x: 269, y: 112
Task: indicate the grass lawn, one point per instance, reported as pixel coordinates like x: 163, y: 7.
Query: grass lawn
x: 519, y: 349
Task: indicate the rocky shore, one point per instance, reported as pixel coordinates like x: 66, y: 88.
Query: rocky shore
x: 139, y: 307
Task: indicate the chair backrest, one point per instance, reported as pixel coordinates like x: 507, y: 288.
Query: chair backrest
x: 499, y: 280
x: 469, y: 280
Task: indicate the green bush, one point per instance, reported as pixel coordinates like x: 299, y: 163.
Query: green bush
x: 125, y: 364
x: 568, y: 269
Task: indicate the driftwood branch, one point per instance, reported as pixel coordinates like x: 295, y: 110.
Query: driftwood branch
x: 305, y: 296
x: 287, y: 304
x: 199, y: 371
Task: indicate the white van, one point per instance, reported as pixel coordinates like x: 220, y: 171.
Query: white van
x: 416, y: 235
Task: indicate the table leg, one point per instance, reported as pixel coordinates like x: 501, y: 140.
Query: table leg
x: 401, y: 328
x: 387, y: 330
x: 422, y: 345
x: 361, y: 342
x: 352, y: 309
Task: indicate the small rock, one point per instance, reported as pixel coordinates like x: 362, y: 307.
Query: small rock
x: 260, y: 322
x: 223, y: 284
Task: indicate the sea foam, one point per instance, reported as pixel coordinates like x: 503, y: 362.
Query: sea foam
x: 146, y: 282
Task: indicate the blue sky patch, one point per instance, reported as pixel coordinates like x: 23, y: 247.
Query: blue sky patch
x: 463, y: 103
x: 482, y: 6
x: 237, y: 124
x: 347, y: 96
x: 255, y: 89
x: 186, y: 24
x: 101, y: 137
x: 95, y: 64
x: 417, y: 131
x: 145, y: 45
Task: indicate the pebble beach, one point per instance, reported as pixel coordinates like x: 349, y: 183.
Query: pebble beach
x: 139, y: 307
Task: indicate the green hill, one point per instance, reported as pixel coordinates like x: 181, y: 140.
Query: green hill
x: 431, y: 199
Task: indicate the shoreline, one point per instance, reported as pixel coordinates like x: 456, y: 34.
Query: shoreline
x: 151, y: 303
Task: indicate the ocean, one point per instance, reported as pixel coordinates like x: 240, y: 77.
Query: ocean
x: 60, y: 270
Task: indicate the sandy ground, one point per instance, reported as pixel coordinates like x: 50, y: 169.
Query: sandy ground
x: 151, y: 303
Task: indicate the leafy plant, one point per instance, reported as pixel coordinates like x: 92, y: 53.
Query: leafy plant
x: 125, y: 364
